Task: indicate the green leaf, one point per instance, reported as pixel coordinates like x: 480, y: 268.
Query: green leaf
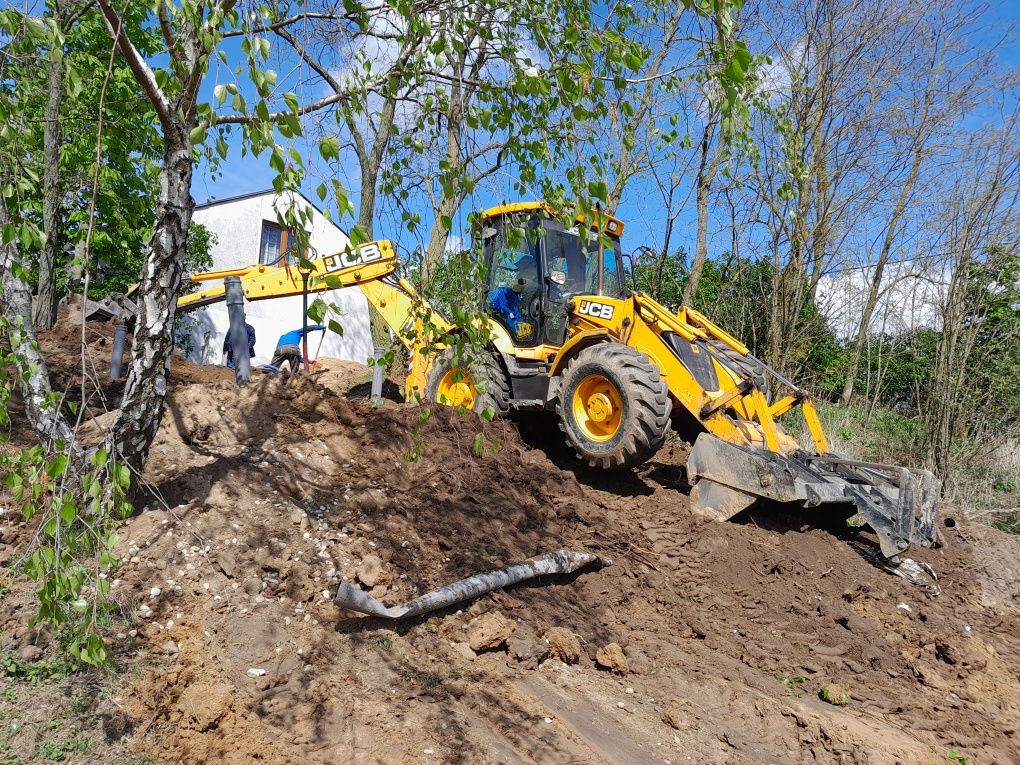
x: 56, y: 465
x: 74, y: 83
x: 122, y: 475
x: 68, y: 512
x: 317, y: 310
x: 329, y: 147
x: 99, y: 457
x: 197, y: 135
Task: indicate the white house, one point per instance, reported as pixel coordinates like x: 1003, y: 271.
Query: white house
x: 247, y: 233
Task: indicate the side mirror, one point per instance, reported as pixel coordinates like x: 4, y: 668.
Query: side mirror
x: 488, y: 232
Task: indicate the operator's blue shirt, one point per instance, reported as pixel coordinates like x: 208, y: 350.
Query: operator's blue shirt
x: 294, y: 337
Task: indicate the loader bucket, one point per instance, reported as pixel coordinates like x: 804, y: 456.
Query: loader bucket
x: 898, y: 503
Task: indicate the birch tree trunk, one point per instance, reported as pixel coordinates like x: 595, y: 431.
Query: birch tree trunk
x: 142, y: 406
x: 16, y: 310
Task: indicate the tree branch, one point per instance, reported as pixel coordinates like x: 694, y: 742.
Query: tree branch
x: 290, y: 21
x: 141, y: 71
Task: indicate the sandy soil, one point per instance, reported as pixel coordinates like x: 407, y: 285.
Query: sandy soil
x: 726, y: 634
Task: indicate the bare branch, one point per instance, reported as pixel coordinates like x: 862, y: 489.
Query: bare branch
x: 141, y: 71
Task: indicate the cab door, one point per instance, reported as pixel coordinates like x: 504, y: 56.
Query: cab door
x: 514, y: 290
x: 565, y: 268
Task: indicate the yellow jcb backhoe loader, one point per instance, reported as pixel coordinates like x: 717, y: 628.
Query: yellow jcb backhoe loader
x: 620, y: 370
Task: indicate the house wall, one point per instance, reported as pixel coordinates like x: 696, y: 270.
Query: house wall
x: 237, y: 225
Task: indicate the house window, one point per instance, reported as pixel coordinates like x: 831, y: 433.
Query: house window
x: 275, y: 248
x: 272, y: 244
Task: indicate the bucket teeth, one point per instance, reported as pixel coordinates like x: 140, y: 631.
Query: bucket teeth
x: 899, y: 504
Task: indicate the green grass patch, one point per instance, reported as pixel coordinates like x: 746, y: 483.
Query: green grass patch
x: 55, y: 750
x: 793, y: 684
x: 47, y: 670
x: 1009, y: 523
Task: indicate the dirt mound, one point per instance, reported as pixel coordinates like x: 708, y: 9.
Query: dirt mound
x: 770, y: 640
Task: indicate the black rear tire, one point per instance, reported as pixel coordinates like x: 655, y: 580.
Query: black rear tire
x: 492, y: 389
x: 641, y: 398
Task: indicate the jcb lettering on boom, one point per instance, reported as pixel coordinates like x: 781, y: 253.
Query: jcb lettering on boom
x: 595, y: 310
x: 368, y: 253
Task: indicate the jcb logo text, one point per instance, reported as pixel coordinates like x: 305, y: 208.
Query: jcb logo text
x: 367, y: 253
x: 595, y: 310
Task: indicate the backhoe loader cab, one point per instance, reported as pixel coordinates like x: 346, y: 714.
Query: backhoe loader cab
x: 535, y: 264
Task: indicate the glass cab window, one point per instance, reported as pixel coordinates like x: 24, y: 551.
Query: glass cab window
x: 575, y: 266
x: 534, y: 265
x: 514, y: 295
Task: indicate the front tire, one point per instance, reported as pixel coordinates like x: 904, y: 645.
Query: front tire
x: 613, y: 406
x: 478, y: 385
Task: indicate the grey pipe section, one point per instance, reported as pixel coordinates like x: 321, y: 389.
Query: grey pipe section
x: 377, y: 376
x: 559, y: 562
x: 118, y: 351
x: 238, y: 333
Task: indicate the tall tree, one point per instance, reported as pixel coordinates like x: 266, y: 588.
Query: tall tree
x: 941, y: 82
x: 384, y: 43
x: 976, y: 350
x: 63, y: 15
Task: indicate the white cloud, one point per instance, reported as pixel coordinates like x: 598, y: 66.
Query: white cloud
x: 454, y: 243
x: 911, y: 298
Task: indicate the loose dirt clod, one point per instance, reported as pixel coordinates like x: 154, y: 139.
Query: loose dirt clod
x: 526, y: 647
x: 563, y: 645
x: 490, y: 631
x: 611, y: 657
x: 370, y: 571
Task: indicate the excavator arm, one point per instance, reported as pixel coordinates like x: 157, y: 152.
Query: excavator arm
x: 347, y: 268
x: 371, y: 267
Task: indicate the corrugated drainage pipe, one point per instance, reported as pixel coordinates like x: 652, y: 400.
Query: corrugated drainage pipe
x: 558, y: 562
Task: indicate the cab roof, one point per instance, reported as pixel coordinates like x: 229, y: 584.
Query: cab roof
x: 612, y: 225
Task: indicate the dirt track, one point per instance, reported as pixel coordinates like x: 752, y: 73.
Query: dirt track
x: 729, y: 631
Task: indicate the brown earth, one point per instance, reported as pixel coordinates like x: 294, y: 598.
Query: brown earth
x: 726, y: 633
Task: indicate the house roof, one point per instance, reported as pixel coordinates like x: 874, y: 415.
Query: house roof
x: 263, y: 192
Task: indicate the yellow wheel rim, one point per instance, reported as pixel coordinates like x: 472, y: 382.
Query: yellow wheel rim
x: 598, y: 408
x: 456, y: 388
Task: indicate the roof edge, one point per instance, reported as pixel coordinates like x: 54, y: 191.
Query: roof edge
x: 252, y: 194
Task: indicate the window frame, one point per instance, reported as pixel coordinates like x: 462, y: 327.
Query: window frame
x: 287, y: 237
